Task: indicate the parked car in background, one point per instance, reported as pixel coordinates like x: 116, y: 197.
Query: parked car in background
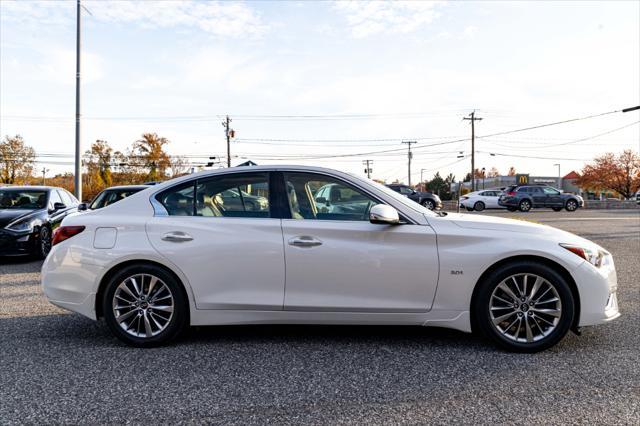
x: 480, y: 200
x: 112, y: 195
x: 638, y: 197
x: 168, y: 258
x: 526, y: 197
x: 28, y: 216
x: 426, y: 199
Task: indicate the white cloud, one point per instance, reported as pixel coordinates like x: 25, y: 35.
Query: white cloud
x: 226, y: 19
x: 366, y: 18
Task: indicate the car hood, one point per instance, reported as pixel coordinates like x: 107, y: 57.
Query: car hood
x: 493, y: 223
x: 9, y: 215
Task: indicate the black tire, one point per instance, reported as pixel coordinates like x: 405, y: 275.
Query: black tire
x: 479, y: 206
x: 481, y: 305
x: 556, y: 209
x: 429, y: 204
x: 512, y: 209
x: 43, y: 242
x: 179, y: 318
x: 469, y: 209
x: 525, y: 205
x: 572, y: 205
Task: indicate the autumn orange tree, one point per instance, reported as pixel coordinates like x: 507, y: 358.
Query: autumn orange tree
x: 149, y: 153
x: 16, y: 160
x: 620, y: 173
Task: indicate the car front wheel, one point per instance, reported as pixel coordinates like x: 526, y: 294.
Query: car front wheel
x: 145, y: 306
x: 524, y: 307
x: 429, y: 204
x: 44, y: 242
x: 571, y: 206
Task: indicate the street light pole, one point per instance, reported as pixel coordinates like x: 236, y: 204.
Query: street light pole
x: 559, y: 178
x: 77, y: 179
x: 424, y: 187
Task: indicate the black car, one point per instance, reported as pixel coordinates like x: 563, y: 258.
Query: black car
x: 526, y: 197
x: 427, y: 199
x: 28, y: 216
x: 112, y: 195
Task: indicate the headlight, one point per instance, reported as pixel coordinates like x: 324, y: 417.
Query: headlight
x: 21, y: 225
x: 597, y: 258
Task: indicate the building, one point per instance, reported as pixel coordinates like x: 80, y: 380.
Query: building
x: 565, y: 183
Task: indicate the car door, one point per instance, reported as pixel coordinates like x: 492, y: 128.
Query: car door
x: 56, y: 215
x: 553, y: 197
x: 338, y: 261
x: 231, y: 253
x: 538, y: 196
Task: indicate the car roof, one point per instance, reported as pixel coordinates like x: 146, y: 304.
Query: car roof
x: 120, y: 187
x: 31, y: 188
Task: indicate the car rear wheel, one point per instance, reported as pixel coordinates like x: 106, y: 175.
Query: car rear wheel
x: 524, y: 206
x: 44, y: 242
x: 524, y: 307
x: 571, y: 206
x: 429, y: 204
x: 479, y: 206
x: 145, y: 306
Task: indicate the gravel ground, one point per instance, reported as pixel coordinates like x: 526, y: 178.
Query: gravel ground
x: 59, y: 367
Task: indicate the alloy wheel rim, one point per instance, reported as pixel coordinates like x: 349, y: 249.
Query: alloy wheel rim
x: 45, y: 241
x: 525, y: 205
x: 571, y: 205
x: 525, y: 308
x: 430, y: 205
x: 143, y: 305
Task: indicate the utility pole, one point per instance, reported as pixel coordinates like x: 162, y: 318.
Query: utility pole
x: 229, y: 133
x: 473, y: 119
x: 368, y: 169
x: 409, y: 157
x: 44, y: 172
x: 77, y: 179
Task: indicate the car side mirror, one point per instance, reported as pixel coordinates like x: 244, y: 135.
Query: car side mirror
x: 321, y: 200
x: 59, y: 206
x: 384, y: 215
x: 82, y: 207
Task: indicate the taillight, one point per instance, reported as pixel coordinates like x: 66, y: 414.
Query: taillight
x: 64, y: 233
x: 511, y: 193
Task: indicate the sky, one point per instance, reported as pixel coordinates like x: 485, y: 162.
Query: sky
x: 328, y: 83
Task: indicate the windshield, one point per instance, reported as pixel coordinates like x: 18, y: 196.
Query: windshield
x: 15, y: 199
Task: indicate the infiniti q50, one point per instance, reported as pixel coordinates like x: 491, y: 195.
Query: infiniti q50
x: 182, y: 253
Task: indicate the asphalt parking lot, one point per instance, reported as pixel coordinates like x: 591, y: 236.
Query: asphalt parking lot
x: 59, y: 367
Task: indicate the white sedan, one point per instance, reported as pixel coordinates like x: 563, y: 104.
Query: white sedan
x: 180, y: 254
x: 480, y: 200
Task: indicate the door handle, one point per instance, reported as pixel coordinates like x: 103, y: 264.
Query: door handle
x: 304, y: 241
x: 177, y: 237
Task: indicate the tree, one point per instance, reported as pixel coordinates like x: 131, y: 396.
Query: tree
x: 512, y: 171
x: 179, y: 166
x: 16, y: 160
x: 494, y: 172
x: 441, y: 186
x: 149, y: 154
x: 619, y: 173
x: 102, y: 154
